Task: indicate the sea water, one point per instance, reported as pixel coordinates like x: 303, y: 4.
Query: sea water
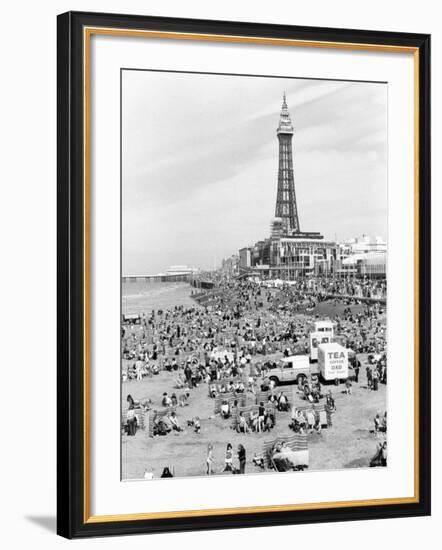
x: 143, y: 297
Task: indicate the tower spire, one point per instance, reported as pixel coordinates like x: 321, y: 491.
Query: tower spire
x: 286, y: 208
x: 285, y: 122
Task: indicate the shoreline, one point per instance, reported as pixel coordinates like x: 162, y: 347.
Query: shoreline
x: 144, y: 297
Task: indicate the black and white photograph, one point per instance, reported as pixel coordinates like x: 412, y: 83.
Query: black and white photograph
x: 220, y: 274
x: 253, y: 274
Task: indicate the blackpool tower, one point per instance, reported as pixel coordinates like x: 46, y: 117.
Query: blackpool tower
x: 286, y: 209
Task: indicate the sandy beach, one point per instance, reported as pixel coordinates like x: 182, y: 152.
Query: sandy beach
x: 348, y: 443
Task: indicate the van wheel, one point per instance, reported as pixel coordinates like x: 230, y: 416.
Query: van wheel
x: 275, y: 379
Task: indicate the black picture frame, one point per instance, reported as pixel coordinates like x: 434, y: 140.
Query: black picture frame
x: 72, y: 522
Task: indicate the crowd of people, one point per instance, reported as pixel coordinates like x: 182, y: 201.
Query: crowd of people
x: 230, y: 342
x: 304, y: 422
x: 245, y: 318
x: 357, y: 288
x: 260, y: 420
x: 233, y: 462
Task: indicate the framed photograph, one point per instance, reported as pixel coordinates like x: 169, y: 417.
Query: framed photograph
x: 243, y: 274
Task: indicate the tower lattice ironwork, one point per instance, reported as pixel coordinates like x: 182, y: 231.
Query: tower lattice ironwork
x: 286, y: 208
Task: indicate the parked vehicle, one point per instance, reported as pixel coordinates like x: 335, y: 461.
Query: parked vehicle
x: 333, y: 361
x: 295, y: 368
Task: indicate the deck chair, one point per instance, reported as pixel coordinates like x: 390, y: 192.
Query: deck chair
x: 246, y: 410
x: 298, y: 443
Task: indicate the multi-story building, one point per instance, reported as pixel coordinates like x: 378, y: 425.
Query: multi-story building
x: 245, y: 258
x: 230, y: 266
x: 364, y: 256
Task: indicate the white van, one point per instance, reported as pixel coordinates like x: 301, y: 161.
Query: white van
x: 296, y: 368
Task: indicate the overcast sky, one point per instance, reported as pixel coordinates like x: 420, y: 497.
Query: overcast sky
x: 200, y: 163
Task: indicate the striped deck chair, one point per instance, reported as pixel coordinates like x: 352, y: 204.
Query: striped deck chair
x: 139, y: 415
x: 321, y: 411
x: 328, y: 412
x: 159, y: 413
x: 323, y: 414
x: 229, y: 397
x: 271, y: 408
x: 223, y: 382
x: 262, y: 396
x: 246, y: 411
x: 324, y: 418
x: 149, y: 423
x: 242, y: 399
x: 297, y: 443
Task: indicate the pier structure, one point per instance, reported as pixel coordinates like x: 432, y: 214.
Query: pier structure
x: 160, y: 278
x: 173, y: 274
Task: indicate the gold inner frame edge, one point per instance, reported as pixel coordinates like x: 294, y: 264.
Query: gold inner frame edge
x: 87, y: 33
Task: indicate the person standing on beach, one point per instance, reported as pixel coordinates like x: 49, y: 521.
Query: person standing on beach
x: 228, y: 463
x: 131, y: 421
x: 242, y: 459
x: 356, y: 369
x: 377, y: 425
x: 369, y: 377
x: 375, y: 379
x: 188, y: 375
x: 209, y: 460
x: 138, y: 367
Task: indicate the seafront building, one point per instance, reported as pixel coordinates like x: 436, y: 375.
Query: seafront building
x: 364, y: 256
x: 289, y: 253
x: 230, y: 266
